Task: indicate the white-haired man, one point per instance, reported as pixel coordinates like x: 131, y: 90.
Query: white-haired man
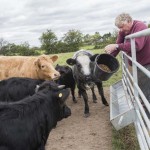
x: 127, y: 26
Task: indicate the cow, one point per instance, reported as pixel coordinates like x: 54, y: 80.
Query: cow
x: 83, y: 66
x: 36, y: 67
x: 16, y: 88
x: 67, y: 79
x: 26, y: 124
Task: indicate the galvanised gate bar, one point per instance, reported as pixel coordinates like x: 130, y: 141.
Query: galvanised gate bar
x: 127, y: 99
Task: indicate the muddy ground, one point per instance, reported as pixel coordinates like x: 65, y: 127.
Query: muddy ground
x: 79, y: 133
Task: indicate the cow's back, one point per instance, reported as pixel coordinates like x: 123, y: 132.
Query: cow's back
x: 16, y: 66
x: 15, y: 89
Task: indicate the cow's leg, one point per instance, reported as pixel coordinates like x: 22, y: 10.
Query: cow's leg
x: 101, y: 92
x: 73, y: 95
x: 79, y: 93
x: 93, y: 95
x: 85, y: 97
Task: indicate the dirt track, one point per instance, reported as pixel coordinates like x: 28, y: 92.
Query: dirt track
x: 79, y: 133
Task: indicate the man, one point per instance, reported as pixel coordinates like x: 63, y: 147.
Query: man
x: 129, y: 26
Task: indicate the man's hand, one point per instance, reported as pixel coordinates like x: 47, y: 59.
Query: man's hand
x: 110, y: 48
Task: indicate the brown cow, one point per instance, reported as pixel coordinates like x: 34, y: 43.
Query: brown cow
x: 38, y: 67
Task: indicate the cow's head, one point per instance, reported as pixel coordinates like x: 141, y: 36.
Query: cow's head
x: 45, y: 68
x: 83, y: 66
x: 63, y: 69
x: 59, y: 96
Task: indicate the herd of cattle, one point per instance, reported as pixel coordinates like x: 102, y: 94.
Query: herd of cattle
x: 33, y: 94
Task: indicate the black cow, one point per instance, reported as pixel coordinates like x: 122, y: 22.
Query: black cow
x: 26, y: 124
x: 16, y: 88
x: 67, y: 79
x: 83, y: 65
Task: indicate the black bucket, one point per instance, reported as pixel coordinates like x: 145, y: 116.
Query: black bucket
x: 105, y: 66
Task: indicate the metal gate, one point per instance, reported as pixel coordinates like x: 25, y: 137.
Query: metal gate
x: 127, y: 99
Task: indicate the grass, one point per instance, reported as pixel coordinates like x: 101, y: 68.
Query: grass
x: 124, y: 139
x: 89, y: 47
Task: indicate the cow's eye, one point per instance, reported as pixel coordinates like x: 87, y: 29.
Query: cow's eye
x: 78, y: 65
x: 42, y: 66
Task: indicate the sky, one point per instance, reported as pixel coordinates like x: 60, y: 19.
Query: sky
x: 25, y: 20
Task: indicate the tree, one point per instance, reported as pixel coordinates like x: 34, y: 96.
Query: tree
x: 11, y: 49
x: 87, y: 39
x: 2, y: 43
x: 96, y: 39
x: 5, y: 49
x: 106, y: 37
x: 62, y: 47
x: 48, y: 41
x: 113, y: 37
x: 73, y: 38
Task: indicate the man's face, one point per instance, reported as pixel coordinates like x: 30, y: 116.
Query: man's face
x: 125, y: 27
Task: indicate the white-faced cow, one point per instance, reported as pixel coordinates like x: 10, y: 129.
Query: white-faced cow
x: 68, y: 80
x: 83, y: 65
x: 36, y: 67
x: 26, y: 124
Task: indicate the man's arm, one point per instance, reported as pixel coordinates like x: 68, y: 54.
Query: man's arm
x: 113, y: 49
x: 126, y: 46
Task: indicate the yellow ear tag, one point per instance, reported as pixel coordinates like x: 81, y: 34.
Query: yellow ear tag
x: 60, y: 94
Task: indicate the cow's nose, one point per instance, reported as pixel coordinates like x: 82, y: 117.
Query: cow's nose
x: 56, y: 76
x: 67, y: 111
x: 57, y: 73
x: 87, y: 78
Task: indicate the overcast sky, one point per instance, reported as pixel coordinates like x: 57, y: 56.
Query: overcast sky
x: 25, y: 20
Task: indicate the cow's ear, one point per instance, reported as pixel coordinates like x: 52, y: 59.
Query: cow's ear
x: 37, y: 63
x: 56, y: 67
x: 92, y: 58
x: 54, y: 58
x: 71, y: 61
